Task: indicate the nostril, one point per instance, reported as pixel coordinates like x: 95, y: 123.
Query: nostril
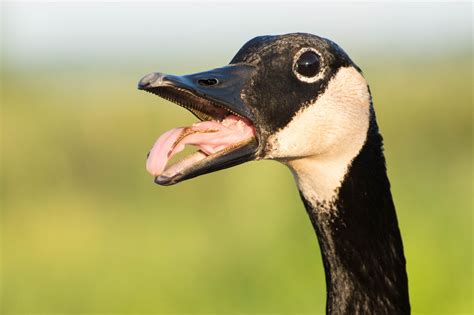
x: 208, y: 82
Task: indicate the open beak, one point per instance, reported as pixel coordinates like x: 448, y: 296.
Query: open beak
x: 226, y: 135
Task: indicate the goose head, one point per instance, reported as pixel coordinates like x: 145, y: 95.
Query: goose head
x: 295, y: 98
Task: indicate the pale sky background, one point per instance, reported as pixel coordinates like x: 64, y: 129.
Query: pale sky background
x: 126, y: 32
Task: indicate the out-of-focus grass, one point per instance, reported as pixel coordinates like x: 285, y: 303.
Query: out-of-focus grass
x: 86, y: 231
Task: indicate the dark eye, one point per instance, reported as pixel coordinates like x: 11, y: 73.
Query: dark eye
x: 308, y: 64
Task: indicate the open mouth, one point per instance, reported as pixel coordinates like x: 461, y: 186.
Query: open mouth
x: 223, y: 137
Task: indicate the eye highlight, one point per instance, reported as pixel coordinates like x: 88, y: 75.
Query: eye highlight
x: 307, y: 65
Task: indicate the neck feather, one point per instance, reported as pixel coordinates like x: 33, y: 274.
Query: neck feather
x: 359, y: 237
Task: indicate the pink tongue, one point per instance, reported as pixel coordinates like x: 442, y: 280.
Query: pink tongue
x: 209, y: 136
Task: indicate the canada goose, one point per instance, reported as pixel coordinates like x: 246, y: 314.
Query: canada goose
x: 299, y: 99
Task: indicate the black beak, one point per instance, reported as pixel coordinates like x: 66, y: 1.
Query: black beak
x: 221, y: 86
x: 208, y: 95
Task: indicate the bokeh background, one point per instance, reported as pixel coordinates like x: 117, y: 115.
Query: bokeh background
x: 85, y: 230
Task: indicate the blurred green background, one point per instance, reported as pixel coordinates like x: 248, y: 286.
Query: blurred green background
x: 84, y: 229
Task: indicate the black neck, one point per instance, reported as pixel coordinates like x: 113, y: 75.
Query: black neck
x: 360, y: 241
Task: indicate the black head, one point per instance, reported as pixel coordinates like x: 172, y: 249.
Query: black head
x: 282, y: 83
x: 269, y: 80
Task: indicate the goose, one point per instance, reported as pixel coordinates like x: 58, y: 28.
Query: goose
x: 300, y: 100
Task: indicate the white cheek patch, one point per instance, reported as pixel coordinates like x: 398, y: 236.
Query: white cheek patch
x: 323, y: 138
